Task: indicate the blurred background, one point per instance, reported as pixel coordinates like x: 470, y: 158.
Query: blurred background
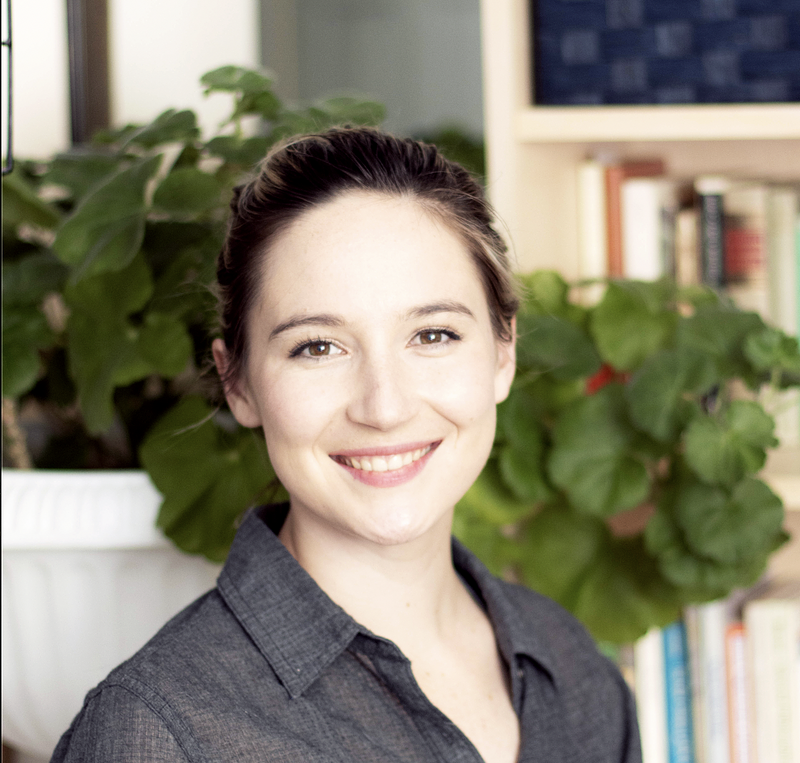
x: 124, y: 60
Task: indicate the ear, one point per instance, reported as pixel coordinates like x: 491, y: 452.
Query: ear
x: 506, y: 364
x: 237, y: 393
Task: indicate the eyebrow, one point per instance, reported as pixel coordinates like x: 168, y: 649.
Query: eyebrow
x: 306, y: 320
x: 448, y: 306
x: 325, y: 319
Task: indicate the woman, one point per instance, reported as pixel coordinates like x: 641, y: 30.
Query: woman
x: 368, y: 327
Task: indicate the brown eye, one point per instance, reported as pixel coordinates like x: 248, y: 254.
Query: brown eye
x: 319, y: 349
x: 430, y: 337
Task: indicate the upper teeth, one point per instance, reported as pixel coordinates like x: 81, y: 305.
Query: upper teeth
x: 385, y: 463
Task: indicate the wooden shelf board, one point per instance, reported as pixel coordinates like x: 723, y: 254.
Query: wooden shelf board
x: 577, y: 124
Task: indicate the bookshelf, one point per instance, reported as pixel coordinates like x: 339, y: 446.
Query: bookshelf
x: 533, y: 154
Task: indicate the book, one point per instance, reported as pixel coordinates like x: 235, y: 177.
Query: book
x: 651, y: 696
x: 740, y: 726
x: 649, y: 206
x: 687, y: 252
x: 784, y: 303
x: 615, y: 175
x: 680, y: 741
x: 706, y: 626
x: 745, y: 263
x: 783, y: 259
x: 773, y: 638
x: 711, y: 218
x: 592, y: 236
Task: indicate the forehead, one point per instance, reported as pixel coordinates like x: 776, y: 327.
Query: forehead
x: 363, y: 252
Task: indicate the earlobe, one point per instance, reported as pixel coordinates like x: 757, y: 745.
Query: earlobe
x: 238, y: 396
x: 506, y: 364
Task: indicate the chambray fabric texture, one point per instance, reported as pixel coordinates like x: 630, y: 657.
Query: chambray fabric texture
x: 267, y: 668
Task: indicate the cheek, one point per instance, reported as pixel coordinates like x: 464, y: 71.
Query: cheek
x: 296, y: 410
x: 465, y: 393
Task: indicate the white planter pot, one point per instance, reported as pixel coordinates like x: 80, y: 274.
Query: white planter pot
x: 87, y: 580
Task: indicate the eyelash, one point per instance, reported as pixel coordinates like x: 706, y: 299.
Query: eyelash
x: 300, y: 347
x: 298, y: 350
x: 449, y: 333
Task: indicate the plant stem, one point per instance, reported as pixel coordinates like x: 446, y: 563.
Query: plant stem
x: 17, y: 451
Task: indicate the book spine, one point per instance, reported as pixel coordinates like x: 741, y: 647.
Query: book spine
x: 773, y: 627
x: 678, y: 694
x: 592, y: 235
x: 712, y: 251
x: 614, y: 177
x: 714, y: 620
x: 651, y: 696
x: 739, y: 712
x: 691, y: 617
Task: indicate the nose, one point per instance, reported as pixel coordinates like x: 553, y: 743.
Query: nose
x: 383, y: 396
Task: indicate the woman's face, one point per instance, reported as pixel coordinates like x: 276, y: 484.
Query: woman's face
x: 372, y: 368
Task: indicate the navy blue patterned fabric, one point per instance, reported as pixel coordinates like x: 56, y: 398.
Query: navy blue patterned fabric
x: 665, y: 51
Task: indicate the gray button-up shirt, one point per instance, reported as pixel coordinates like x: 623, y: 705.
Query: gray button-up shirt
x: 267, y: 668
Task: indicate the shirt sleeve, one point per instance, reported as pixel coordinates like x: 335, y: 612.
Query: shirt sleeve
x: 116, y: 726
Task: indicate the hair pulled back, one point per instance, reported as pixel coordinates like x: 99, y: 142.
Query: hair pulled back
x: 308, y: 170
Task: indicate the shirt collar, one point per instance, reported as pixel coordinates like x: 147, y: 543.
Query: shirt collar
x: 300, y: 630
x: 514, y: 634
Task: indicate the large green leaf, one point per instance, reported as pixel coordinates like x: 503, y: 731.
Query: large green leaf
x: 700, y: 578
x: 723, y: 449
x: 559, y: 548
x: 25, y: 328
x: 521, y: 457
x: 545, y: 292
x: 230, y: 79
x: 624, y: 594
x: 487, y: 541
x: 164, y: 344
x: 657, y: 391
x: 107, y: 350
x: 172, y: 126
x: 720, y: 332
x: 265, y: 104
x: 549, y: 344
x: 25, y: 332
x: 729, y: 528
x: 592, y: 459
x: 492, y: 501
x: 187, y: 191
x: 28, y: 280
x: 81, y: 169
x: 22, y: 205
x: 235, y: 150
x: 771, y: 349
x: 632, y: 322
x: 207, y: 474
x: 106, y: 230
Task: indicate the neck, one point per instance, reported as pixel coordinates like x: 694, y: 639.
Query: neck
x: 408, y: 592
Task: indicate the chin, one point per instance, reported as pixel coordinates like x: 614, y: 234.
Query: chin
x: 398, y: 528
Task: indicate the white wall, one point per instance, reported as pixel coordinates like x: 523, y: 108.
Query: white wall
x: 40, y: 71
x: 419, y: 57
x: 160, y: 48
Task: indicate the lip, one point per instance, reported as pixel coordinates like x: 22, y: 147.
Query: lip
x: 387, y: 479
x: 385, y: 450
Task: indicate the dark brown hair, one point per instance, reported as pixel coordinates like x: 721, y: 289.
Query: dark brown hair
x: 309, y: 170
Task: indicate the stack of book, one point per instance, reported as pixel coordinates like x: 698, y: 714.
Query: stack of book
x: 723, y: 684
x: 740, y: 236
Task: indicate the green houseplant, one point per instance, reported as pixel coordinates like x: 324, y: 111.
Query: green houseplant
x: 623, y: 479
x: 109, y: 256
x: 621, y: 482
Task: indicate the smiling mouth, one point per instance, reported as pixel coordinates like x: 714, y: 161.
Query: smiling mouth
x: 387, y: 463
